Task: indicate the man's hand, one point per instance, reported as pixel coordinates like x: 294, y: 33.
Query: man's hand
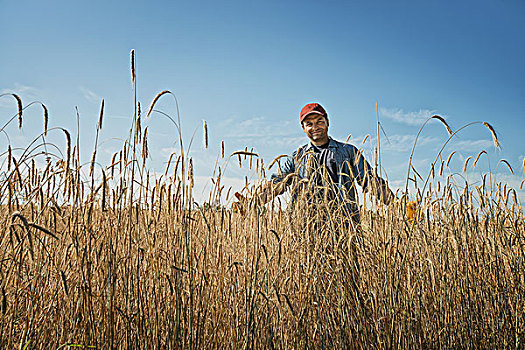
x: 263, y: 195
x: 240, y: 205
x: 411, y: 210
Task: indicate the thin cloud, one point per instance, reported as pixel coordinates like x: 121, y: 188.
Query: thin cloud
x: 203, y: 185
x: 397, y: 142
x: 116, y: 116
x: 25, y: 92
x: 90, y: 95
x: 409, y: 118
x: 401, y: 143
x: 472, y: 145
x: 503, y: 176
x: 20, y: 89
x: 262, y: 131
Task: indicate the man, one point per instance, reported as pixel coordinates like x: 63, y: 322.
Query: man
x: 324, y: 170
x: 321, y: 176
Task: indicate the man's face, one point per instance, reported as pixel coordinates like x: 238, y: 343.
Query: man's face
x: 315, y: 126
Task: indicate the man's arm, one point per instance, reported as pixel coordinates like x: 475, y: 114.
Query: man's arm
x: 269, y: 191
x: 275, y: 186
x: 366, y: 177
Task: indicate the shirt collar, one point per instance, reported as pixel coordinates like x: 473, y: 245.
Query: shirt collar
x: 331, y: 144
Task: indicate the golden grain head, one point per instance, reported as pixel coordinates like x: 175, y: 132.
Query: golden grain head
x: 244, y: 153
x: 68, y: 147
x: 88, y: 245
x: 508, y: 166
x: 155, y: 101
x: 133, y: 74
x: 205, y: 131
x: 20, y: 109
x: 466, y: 163
x: 275, y: 160
x: 145, y: 145
x: 101, y: 115
x: 477, y: 158
x: 46, y: 118
x: 493, y: 133
x: 190, y: 169
x: 9, y: 157
x: 449, y: 130
x: 92, y: 164
x: 450, y: 157
x: 138, y: 129
x: 104, y: 190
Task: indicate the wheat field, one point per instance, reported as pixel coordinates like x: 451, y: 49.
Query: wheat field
x: 108, y: 258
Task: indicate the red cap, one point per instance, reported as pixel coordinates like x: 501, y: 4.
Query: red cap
x: 313, y: 108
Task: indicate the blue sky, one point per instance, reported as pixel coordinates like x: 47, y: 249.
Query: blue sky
x: 247, y: 68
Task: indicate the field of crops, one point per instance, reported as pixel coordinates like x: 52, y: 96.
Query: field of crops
x: 104, y: 257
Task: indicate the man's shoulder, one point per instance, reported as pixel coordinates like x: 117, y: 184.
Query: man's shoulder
x: 300, y: 150
x: 338, y: 145
x: 342, y: 145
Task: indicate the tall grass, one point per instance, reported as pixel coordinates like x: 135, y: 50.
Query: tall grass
x: 119, y: 261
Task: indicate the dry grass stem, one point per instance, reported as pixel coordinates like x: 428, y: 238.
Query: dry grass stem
x: 124, y: 259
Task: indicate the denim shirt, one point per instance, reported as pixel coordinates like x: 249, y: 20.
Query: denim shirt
x: 351, y: 165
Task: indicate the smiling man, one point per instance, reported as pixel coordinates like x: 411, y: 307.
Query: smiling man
x: 325, y: 169
x: 322, y: 177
